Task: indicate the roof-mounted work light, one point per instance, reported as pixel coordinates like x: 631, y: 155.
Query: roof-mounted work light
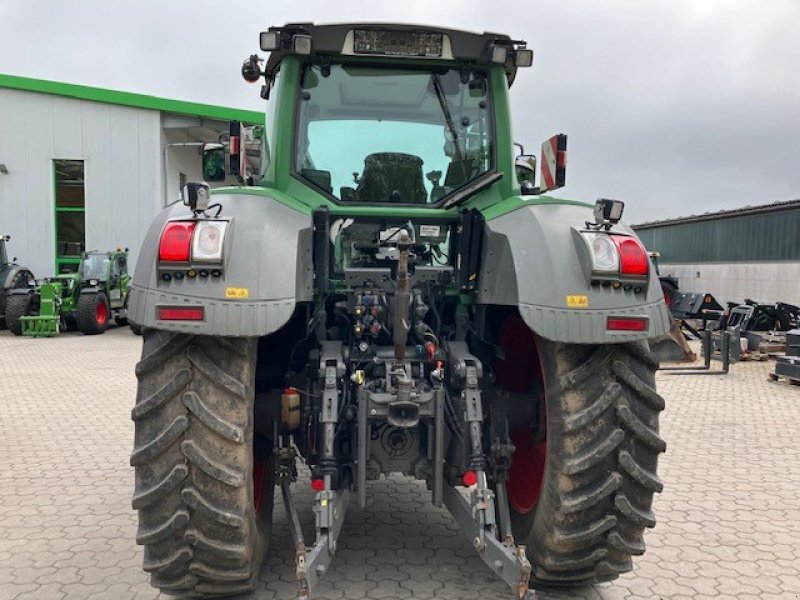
x: 301, y: 44
x: 523, y: 57
x: 269, y: 40
x: 498, y: 54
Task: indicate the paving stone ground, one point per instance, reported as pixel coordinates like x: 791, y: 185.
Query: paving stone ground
x: 729, y: 516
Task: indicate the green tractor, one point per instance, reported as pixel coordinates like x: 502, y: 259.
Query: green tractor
x: 393, y: 292
x: 86, y: 300
x: 12, y: 276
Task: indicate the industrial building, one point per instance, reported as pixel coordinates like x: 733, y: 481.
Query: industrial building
x: 88, y: 168
x: 751, y: 252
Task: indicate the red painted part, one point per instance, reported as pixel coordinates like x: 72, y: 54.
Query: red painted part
x: 516, y: 373
x: 317, y: 485
x: 469, y: 478
x: 101, y: 313
x: 259, y: 482
x: 667, y: 300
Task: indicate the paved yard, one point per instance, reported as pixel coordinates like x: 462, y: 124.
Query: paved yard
x: 729, y: 517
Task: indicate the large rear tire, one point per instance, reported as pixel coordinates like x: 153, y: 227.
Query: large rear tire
x: 203, y: 524
x: 17, y: 306
x: 593, y: 499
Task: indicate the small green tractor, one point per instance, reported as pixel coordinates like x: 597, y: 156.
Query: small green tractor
x: 86, y: 300
x: 12, y: 275
x: 393, y: 293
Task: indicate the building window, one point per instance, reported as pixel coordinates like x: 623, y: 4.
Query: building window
x: 70, y: 207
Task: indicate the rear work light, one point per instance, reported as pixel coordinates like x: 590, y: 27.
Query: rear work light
x: 176, y: 241
x: 180, y: 313
x: 632, y: 256
x: 626, y: 324
x: 208, y: 238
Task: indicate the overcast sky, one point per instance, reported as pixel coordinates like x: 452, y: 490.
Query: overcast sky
x: 676, y: 107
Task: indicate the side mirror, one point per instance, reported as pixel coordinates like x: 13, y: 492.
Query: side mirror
x: 213, y: 162
x: 525, y: 165
x: 553, y: 163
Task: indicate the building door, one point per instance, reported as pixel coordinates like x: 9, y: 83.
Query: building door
x: 70, y: 208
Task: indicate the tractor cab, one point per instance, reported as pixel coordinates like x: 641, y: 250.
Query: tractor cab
x: 391, y: 116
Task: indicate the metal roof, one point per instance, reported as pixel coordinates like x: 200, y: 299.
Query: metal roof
x: 95, y: 94
x: 723, y: 214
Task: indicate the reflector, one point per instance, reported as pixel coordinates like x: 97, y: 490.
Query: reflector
x: 626, y: 324
x: 193, y: 313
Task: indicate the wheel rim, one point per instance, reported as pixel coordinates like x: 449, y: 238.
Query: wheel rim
x: 259, y: 482
x: 101, y: 312
x: 517, y: 372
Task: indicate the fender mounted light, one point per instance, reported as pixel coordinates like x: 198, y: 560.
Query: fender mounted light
x: 176, y: 241
x: 632, y: 256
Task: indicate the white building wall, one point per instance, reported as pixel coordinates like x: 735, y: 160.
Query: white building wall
x: 763, y: 281
x: 120, y: 147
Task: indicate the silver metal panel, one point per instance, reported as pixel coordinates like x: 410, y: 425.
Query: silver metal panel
x: 540, y: 250
x: 261, y: 256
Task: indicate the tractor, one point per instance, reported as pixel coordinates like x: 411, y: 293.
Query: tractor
x: 392, y: 291
x: 87, y: 299
x: 12, y: 275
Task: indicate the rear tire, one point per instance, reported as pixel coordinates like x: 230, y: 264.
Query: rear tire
x: 92, y: 313
x: 194, y: 461
x: 17, y: 306
x: 600, y: 472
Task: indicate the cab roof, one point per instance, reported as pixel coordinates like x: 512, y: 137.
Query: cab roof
x: 333, y: 40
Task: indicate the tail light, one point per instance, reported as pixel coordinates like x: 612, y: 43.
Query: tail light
x: 176, y: 241
x: 613, y: 256
x: 192, y: 241
x: 632, y: 256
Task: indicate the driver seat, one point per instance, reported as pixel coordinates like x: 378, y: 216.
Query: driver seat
x: 392, y: 177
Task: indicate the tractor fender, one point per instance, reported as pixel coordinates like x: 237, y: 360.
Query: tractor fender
x: 8, y: 276
x: 532, y: 259
x: 266, y: 271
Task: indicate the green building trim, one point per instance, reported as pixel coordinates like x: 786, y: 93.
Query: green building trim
x: 753, y: 234
x: 94, y: 94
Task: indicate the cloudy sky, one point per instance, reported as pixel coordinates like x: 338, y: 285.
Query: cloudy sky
x: 676, y: 106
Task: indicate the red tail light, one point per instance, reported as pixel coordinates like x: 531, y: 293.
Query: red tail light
x: 626, y: 324
x: 176, y: 241
x: 317, y: 485
x: 632, y: 255
x: 194, y: 313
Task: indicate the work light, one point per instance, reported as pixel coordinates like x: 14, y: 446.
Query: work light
x: 207, y: 241
x: 268, y: 40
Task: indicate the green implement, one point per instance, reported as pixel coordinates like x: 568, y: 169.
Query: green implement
x: 86, y: 300
x: 46, y: 323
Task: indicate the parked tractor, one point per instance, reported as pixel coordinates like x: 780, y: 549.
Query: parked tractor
x: 392, y: 297
x: 86, y: 300
x: 12, y: 276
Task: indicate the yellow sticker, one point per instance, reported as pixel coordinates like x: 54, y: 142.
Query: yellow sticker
x: 578, y: 301
x: 237, y: 293
x: 323, y: 503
